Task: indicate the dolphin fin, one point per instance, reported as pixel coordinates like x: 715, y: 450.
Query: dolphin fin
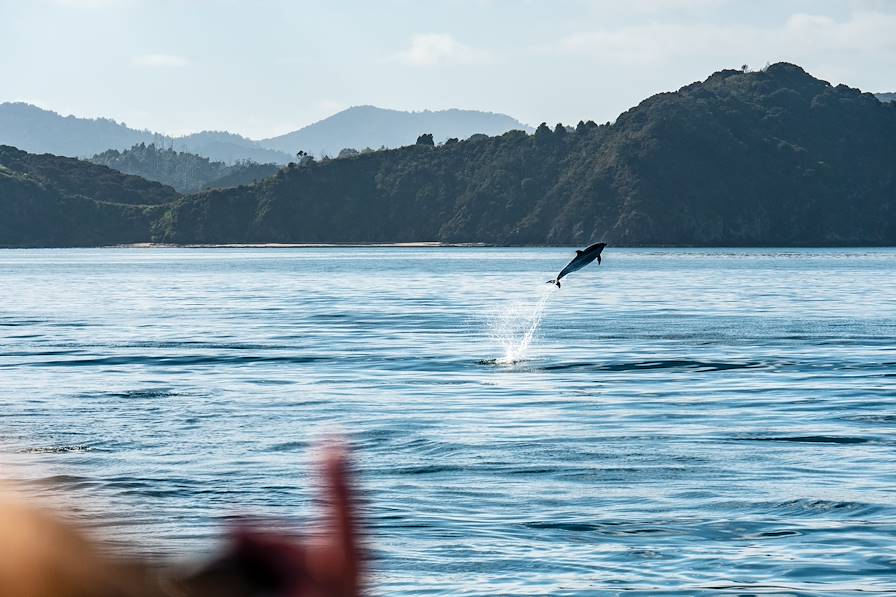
x: 578, y: 252
x: 557, y: 282
x: 598, y: 259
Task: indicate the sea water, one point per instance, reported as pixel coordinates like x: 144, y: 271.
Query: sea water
x: 674, y: 420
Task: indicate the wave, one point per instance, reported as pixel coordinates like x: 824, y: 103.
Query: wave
x: 652, y: 364
x: 800, y: 507
x: 56, y: 449
x: 807, y: 439
x: 879, y: 418
x: 170, y: 360
x: 611, y: 528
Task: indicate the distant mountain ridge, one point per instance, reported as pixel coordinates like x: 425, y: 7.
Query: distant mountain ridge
x: 37, y: 130
x: 369, y: 126
x: 886, y: 97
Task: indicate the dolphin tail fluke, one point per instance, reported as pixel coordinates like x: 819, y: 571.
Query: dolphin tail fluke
x: 557, y: 282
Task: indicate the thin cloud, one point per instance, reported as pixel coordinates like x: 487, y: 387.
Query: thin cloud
x: 664, y: 6
x: 160, y: 61
x: 88, y: 4
x: 435, y: 49
x: 802, y: 35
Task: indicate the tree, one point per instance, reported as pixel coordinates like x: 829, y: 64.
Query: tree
x: 305, y: 158
x: 348, y: 152
x: 543, y: 131
x: 425, y: 139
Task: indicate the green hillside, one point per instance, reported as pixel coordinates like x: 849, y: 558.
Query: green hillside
x: 47, y: 200
x: 771, y: 158
x: 186, y: 172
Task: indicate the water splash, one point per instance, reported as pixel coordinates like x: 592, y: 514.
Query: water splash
x: 516, y: 324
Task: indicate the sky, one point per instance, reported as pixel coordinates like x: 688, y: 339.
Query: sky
x: 266, y: 67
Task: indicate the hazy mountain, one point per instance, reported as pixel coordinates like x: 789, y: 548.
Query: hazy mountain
x: 37, y: 130
x: 228, y: 147
x: 369, y: 126
x: 886, y: 97
x: 774, y: 157
x: 186, y: 172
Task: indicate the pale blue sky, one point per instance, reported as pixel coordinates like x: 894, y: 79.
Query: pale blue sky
x: 265, y: 67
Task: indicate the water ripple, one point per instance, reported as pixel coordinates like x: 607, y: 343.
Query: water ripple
x: 671, y: 422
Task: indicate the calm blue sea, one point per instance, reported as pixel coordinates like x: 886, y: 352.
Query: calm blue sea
x: 674, y: 420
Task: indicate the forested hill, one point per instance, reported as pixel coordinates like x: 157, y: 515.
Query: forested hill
x: 186, y: 172
x: 51, y: 201
x: 71, y: 176
x: 775, y: 157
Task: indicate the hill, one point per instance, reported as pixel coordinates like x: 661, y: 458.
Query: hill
x: 37, y: 130
x: 228, y: 147
x: 51, y: 201
x: 186, y: 172
x: 886, y: 97
x: 775, y: 157
x: 368, y: 126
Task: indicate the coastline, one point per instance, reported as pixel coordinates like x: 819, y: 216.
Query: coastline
x: 409, y: 245
x: 444, y: 245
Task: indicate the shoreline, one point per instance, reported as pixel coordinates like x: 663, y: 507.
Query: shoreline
x: 443, y: 245
x: 408, y: 245
x: 430, y: 245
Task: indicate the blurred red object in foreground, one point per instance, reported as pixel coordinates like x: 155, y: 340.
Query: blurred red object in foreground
x: 43, y: 557
x: 270, y: 563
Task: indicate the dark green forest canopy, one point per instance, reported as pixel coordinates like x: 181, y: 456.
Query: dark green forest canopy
x: 769, y: 157
x: 49, y: 201
x: 186, y: 172
x: 71, y: 176
x: 774, y: 157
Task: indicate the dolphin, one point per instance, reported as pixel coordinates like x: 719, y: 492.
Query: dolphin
x: 582, y: 258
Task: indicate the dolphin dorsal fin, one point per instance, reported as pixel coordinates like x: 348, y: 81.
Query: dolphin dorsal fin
x: 578, y: 252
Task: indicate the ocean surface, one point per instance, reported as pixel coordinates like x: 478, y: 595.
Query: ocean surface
x: 670, y: 422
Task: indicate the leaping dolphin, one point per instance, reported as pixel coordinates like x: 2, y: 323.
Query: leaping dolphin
x: 582, y: 258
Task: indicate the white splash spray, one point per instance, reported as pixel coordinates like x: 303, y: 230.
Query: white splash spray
x: 515, y: 326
